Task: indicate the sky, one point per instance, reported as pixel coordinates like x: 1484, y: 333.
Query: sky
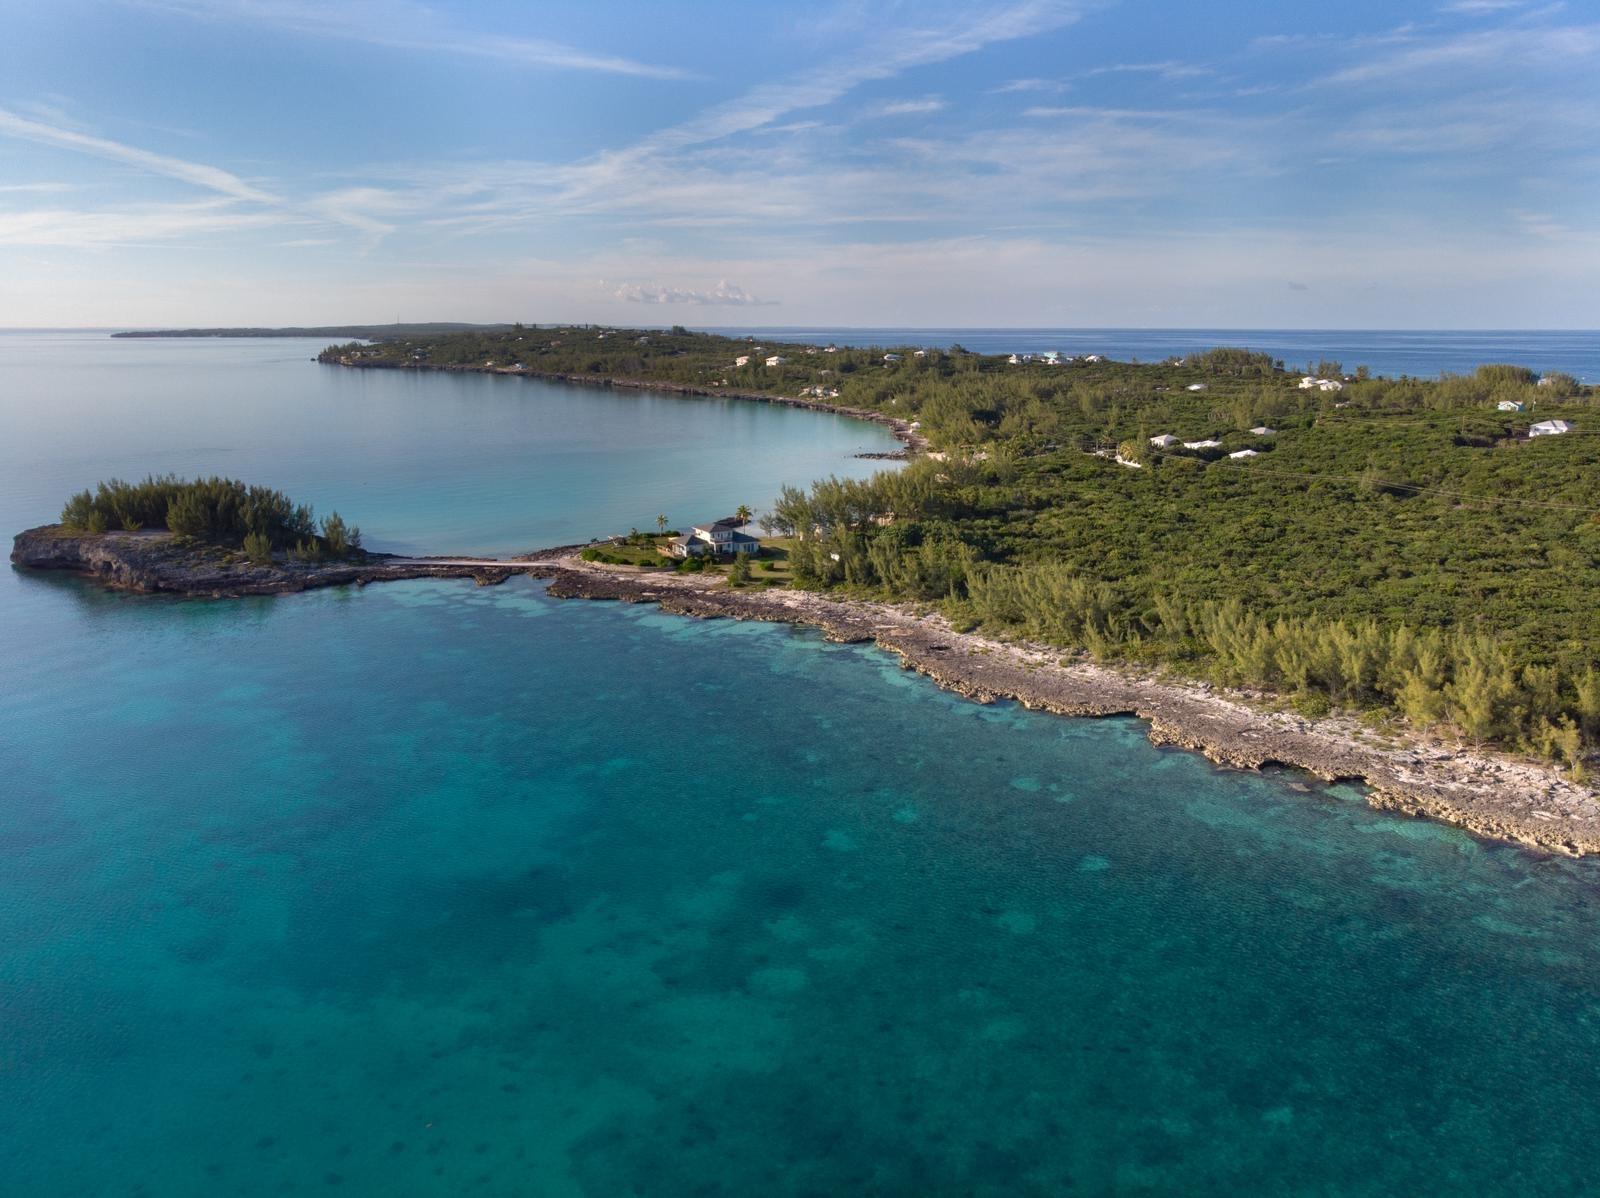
x: 1060, y: 163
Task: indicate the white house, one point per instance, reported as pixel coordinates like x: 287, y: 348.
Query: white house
x: 921, y: 353
x: 832, y: 349
x: 777, y: 360
x: 1549, y: 428
x: 720, y: 538
x: 1208, y: 443
x: 1243, y: 453
x: 1195, y: 387
x: 1093, y: 358
x: 1308, y: 383
x: 1262, y: 430
x: 1013, y: 360
x: 1509, y: 405
x: 891, y: 357
x: 742, y: 360
x: 1164, y: 441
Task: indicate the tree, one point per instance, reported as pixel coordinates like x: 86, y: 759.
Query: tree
x: 739, y: 571
x: 258, y: 548
x: 661, y: 523
x: 743, y: 513
x: 341, y: 538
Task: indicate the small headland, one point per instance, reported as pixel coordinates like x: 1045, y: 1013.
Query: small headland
x: 157, y: 562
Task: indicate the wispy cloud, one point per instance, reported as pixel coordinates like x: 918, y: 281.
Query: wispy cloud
x: 1171, y: 69
x: 1030, y: 85
x: 399, y: 25
x: 140, y: 225
x: 724, y: 294
x: 1417, y: 61
x: 1483, y: 7
x: 927, y: 104
x: 209, y: 177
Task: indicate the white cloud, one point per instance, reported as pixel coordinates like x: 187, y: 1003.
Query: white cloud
x: 1483, y: 7
x: 1030, y: 85
x: 911, y: 107
x: 209, y: 177
x: 724, y: 294
x: 141, y: 225
x: 400, y: 25
x: 1170, y: 69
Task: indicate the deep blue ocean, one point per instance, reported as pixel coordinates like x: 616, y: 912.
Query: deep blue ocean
x: 1420, y: 354
x: 427, y: 889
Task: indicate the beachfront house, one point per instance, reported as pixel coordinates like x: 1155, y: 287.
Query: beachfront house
x: 1013, y: 360
x: 1164, y: 441
x: 1549, y: 428
x: 1509, y: 405
x: 1093, y: 358
x: 720, y: 538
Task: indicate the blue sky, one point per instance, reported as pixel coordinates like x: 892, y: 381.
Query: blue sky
x: 717, y: 162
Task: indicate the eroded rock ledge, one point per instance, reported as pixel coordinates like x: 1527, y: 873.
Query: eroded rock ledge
x: 154, y: 563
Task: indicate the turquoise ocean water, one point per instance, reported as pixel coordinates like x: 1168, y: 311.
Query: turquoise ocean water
x: 431, y: 889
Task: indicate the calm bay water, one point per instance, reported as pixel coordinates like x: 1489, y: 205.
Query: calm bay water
x: 432, y: 889
x: 1420, y: 353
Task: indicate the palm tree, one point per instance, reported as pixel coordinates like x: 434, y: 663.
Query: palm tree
x: 743, y: 513
x: 661, y: 524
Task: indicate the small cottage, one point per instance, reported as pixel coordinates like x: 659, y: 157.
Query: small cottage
x: 777, y: 360
x: 1164, y: 441
x: 1549, y: 428
x: 1509, y: 405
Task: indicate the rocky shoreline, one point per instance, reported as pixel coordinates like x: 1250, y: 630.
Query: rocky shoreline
x: 153, y: 563
x: 902, y: 430
x: 1491, y: 794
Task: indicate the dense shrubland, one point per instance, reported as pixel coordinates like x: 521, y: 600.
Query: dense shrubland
x: 1397, y: 545
x: 215, y: 511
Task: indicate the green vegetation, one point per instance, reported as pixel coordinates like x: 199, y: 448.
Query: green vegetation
x: 213, y: 511
x: 1398, y: 545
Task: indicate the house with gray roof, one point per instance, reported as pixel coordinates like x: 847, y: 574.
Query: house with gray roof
x: 719, y: 538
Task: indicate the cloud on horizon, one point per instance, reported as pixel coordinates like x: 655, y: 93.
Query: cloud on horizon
x: 724, y: 294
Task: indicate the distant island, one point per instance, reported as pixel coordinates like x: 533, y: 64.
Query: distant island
x: 364, y: 332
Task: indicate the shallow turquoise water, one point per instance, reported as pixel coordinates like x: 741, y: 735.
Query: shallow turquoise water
x: 432, y: 889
